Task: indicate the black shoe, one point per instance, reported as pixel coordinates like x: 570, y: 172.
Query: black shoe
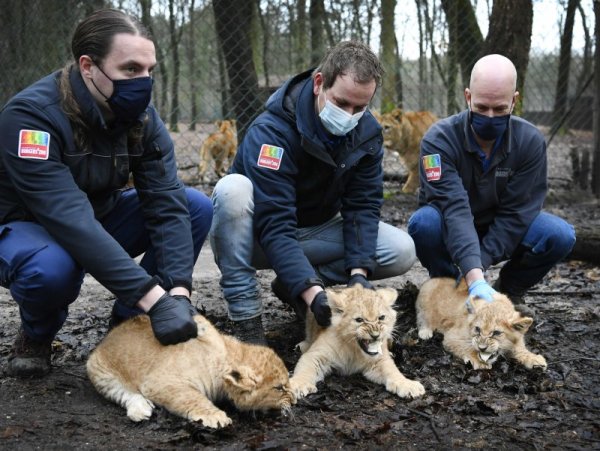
x: 250, y: 331
x: 518, y: 300
x: 29, y: 358
x: 284, y: 296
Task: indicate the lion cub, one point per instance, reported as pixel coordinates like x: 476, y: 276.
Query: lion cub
x: 219, y: 147
x: 402, y: 132
x: 362, y: 323
x: 475, y: 331
x: 131, y: 368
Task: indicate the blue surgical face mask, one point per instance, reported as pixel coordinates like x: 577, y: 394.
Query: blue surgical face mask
x: 130, y: 97
x: 489, y: 128
x: 337, y: 121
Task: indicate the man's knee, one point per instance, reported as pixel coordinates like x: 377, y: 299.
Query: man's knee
x: 426, y: 221
x: 555, y: 237
x: 232, y: 196
x: 51, y: 280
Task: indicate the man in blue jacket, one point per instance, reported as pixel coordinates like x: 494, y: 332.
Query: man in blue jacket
x: 68, y: 144
x: 304, y: 195
x: 483, y: 180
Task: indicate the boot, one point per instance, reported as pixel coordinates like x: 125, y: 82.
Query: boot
x: 29, y: 358
x: 250, y: 331
x: 284, y: 296
x: 517, y: 300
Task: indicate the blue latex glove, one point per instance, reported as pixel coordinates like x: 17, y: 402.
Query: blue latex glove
x: 360, y: 279
x: 481, y: 289
x: 321, y: 309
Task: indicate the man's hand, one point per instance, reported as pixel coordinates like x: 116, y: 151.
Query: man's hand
x: 321, y: 309
x: 171, y: 319
x: 481, y: 289
x: 360, y: 279
x: 193, y: 309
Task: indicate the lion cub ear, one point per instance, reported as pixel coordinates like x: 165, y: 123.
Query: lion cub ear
x: 522, y: 323
x: 388, y: 295
x: 470, y: 305
x: 243, y: 378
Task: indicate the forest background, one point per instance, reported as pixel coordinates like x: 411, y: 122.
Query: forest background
x: 223, y: 58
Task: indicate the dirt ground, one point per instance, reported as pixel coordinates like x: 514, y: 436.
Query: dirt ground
x: 506, y: 407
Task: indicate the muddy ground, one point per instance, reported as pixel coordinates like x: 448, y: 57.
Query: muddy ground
x: 506, y: 407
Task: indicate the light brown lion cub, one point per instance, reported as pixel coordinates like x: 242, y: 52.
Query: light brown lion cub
x: 475, y: 331
x: 131, y: 368
x: 362, y: 323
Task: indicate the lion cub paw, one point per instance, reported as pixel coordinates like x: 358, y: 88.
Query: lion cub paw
x: 215, y: 419
x: 425, y: 333
x: 535, y: 361
x: 139, y: 408
x: 405, y: 388
x: 478, y: 364
x: 302, y: 389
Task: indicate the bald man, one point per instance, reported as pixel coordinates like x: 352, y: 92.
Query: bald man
x: 483, y: 182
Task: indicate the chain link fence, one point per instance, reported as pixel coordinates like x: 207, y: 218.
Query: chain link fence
x: 221, y: 59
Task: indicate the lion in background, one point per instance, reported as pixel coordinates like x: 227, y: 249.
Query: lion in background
x: 402, y: 132
x: 219, y: 147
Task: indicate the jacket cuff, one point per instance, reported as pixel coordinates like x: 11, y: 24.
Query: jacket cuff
x: 470, y: 262
x: 368, y: 265
x: 141, y: 292
x: 486, y: 260
x: 179, y: 283
x: 298, y: 289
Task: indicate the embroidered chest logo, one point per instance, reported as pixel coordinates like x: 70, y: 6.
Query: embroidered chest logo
x: 433, y: 167
x: 34, y: 144
x: 503, y: 172
x: 270, y: 157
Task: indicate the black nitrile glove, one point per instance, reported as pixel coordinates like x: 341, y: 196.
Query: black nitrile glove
x: 171, y: 319
x: 360, y: 279
x: 321, y: 309
x: 193, y: 309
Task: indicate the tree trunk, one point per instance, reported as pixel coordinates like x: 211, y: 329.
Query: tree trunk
x: 422, y: 56
x: 389, y: 58
x: 232, y: 19
x: 596, y: 166
x: 192, y: 67
x: 564, y: 65
x: 587, y: 245
x: 510, y: 35
x: 317, y: 31
x: 301, y: 36
x: 160, y: 102
x: 465, y: 34
x: 174, y: 50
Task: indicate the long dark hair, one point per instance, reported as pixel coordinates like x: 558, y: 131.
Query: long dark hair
x: 94, y: 36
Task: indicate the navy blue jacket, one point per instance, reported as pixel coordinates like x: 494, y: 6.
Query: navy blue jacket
x: 70, y: 190
x: 309, y: 180
x: 486, y: 214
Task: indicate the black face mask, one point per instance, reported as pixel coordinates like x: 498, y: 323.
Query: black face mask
x: 130, y: 97
x: 489, y: 128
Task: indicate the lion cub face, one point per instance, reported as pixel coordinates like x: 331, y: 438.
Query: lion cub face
x: 363, y: 316
x: 260, y: 382
x: 495, y: 326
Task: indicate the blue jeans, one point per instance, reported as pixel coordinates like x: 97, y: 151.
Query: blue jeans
x: 238, y: 255
x: 548, y: 240
x: 44, y: 279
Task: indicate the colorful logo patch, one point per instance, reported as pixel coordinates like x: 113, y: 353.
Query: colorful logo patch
x: 433, y: 167
x: 34, y: 144
x: 270, y: 157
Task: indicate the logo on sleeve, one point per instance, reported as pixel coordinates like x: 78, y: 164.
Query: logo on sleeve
x: 270, y: 157
x: 34, y: 144
x: 433, y: 167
